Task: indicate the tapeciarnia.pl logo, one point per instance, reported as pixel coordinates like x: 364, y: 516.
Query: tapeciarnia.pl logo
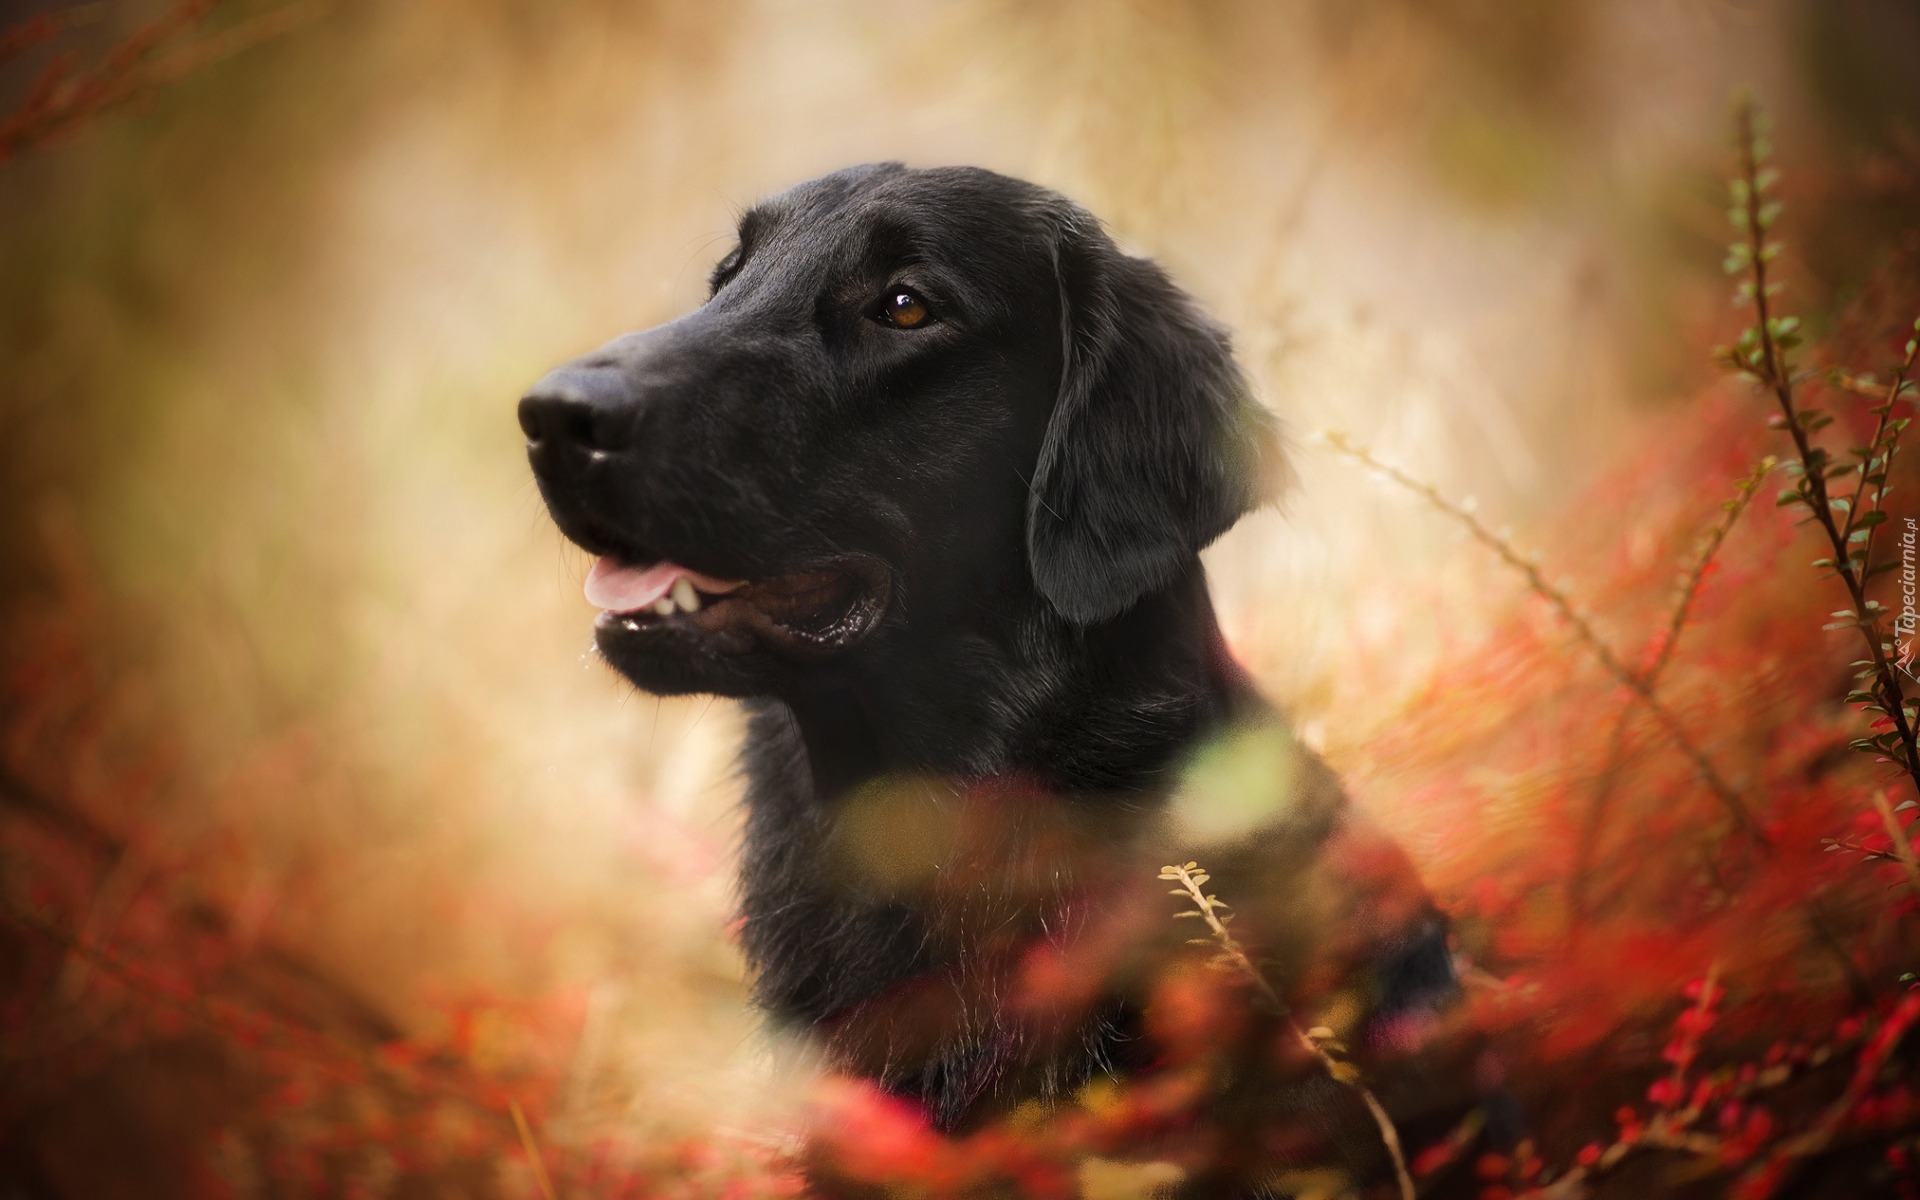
x: 1909, y: 621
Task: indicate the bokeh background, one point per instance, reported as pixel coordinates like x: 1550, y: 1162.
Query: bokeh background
x: 299, y: 672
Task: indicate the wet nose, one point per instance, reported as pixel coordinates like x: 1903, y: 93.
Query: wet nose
x: 579, y: 408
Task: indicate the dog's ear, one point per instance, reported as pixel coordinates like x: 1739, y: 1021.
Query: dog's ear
x: 1156, y: 445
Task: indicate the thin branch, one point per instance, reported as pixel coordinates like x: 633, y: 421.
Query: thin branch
x: 532, y: 1148
x: 1709, y: 547
x: 203, y: 52
x: 1859, y: 385
x: 1884, y: 444
x: 1690, y: 1037
x: 1582, y: 628
x: 1672, y: 1129
x: 27, y: 34
x: 1762, y: 354
x: 1192, y: 878
x: 1767, y: 1176
x: 1902, y: 848
x: 60, y: 99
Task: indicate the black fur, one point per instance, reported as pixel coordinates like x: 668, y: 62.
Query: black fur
x: 986, y: 766
x: 1155, y: 447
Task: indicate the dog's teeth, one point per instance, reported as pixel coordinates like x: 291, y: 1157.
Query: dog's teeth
x: 664, y: 606
x: 685, y: 596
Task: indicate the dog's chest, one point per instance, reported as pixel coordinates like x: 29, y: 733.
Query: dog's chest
x: 908, y: 874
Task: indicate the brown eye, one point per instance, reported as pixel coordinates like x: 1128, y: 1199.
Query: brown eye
x: 904, y: 309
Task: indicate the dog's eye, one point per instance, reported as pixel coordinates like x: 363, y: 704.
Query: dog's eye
x: 903, y: 308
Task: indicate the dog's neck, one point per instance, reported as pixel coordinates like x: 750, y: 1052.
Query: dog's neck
x: 1107, y: 709
x: 1104, y: 719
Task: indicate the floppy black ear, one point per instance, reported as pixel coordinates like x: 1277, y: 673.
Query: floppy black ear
x: 1156, y: 445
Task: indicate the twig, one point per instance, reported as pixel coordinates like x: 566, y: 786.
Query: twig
x: 1709, y: 547
x: 1192, y: 878
x: 1691, y: 1032
x: 1859, y: 385
x: 1670, y: 1129
x: 1761, y: 354
x: 1862, y: 849
x: 1582, y: 628
x: 532, y: 1148
x: 1885, y: 443
x: 1766, y: 1177
x: 59, y: 99
x: 27, y: 34
x: 64, y: 820
x: 1902, y: 848
x: 204, y: 52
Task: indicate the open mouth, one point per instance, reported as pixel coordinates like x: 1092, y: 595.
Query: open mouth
x: 807, y: 613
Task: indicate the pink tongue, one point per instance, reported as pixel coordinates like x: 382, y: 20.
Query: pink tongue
x: 628, y: 589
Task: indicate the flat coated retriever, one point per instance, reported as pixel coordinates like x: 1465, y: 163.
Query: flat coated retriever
x: 925, y: 483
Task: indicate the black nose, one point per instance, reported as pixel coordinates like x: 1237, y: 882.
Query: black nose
x: 581, y: 407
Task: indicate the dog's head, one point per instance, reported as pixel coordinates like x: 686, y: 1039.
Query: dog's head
x: 915, y: 399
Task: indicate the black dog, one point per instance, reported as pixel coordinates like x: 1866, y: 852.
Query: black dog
x: 925, y: 481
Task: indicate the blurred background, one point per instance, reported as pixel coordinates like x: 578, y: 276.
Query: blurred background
x: 299, y: 697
